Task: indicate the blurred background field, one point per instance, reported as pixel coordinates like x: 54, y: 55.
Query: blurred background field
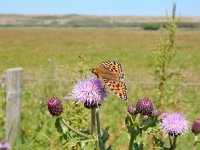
x: 52, y: 62
x: 77, y: 21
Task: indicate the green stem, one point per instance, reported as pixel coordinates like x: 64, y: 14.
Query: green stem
x: 98, y: 123
x: 93, y: 121
x: 141, y: 118
x: 153, y: 142
x: 170, y: 140
x: 131, y: 143
x: 195, y: 139
x: 174, y: 143
x: 76, y: 131
x: 99, y: 129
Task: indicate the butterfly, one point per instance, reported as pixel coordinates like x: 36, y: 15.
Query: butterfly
x: 112, y: 75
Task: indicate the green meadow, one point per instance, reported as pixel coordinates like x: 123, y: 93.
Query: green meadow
x: 53, y: 59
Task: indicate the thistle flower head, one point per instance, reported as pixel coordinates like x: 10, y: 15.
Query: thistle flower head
x: 174, y: 124
x: 4, y: 145
x: 196, y: 126
x: 90, y: 92
x: 55, y: 107
x: 132, y: 109
x: 155, y: 113
x: 144, y: 106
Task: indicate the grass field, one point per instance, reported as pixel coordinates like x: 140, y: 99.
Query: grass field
x: 54, y: 53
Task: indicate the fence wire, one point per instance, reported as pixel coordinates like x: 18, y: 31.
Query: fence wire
x: 183, y: 84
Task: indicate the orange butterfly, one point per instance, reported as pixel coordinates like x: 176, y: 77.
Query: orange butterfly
x: 111, y: 73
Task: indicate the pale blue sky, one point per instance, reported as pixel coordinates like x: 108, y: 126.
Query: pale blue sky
x: 101, y: 7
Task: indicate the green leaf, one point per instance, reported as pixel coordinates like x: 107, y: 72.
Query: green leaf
x: 83, y: 144
x: 196, y: 142
x: 132, y: 126
x: 72, y: 142
x: 105, y: 136
x: 150, y: 123
x: 109, y: 148
x: 58, y: 125
x: 128, y: 119
x: 130, y: 122
x: 104, y: 139
x: 136, y: 124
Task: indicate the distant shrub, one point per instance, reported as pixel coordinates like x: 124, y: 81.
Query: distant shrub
x: 153, y: 26
x: 190, y: 25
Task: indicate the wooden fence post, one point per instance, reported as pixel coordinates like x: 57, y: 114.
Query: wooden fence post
x: 13, y: 103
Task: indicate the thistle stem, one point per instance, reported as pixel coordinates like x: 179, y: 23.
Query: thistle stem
x: 98, y: 123
x: 174, y: 143
x: 170, y: 140
x: 195, y: 139
x: 131, y: 142
x: 93, y: 121
x: 76, y: 131
x: 99, y: 129
x: 153, y: 142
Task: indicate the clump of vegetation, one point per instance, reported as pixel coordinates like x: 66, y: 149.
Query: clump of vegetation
x: 168, y: 78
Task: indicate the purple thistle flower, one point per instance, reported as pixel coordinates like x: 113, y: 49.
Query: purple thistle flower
x: 4, y: 145
x: 196, y: 126
x: 144, y: 106
x: 132, y: 109
x: 90, y: 92
x: 55, y: 107
x: 156, y: 113
x: 174, y: 124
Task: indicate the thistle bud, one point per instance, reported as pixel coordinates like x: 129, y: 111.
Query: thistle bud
x: 55, y: 107
x: 132, y: 109
x: 196, y: 126
x: 144, y: 106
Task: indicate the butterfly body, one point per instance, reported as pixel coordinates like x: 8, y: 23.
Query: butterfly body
x: 111, y: 73
x: 103, y: 73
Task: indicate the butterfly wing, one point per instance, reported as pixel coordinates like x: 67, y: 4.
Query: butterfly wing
x: 111, y: 73
x: 117, y: 87
x: 115, y: 67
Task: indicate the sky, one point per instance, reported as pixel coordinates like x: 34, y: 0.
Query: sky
x: 101, y: 7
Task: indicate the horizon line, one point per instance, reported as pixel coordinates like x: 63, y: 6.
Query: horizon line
x: 59, y: 14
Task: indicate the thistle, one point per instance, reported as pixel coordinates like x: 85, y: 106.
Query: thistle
x: 90, y: 92
x: 4, y: 145
x: 174, y: 124
x: 144, y: 106
x: 155, y: 113
x: 196, y: 126
x: 55, y: 107
x: 132, y: 109
x: 196, y: 131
